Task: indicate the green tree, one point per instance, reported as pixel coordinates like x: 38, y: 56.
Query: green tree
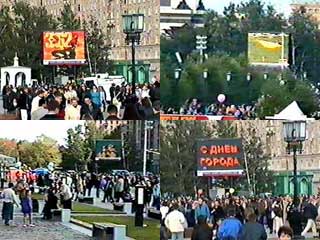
x: 227, y: 50
x: 261, y: 178
x: 97, y: 46
x: 77, y: 154
x: 68, y: 19
x: 8, y: 147
x: 40, y: 152
x: 22, y: 35
x: 178, y: 156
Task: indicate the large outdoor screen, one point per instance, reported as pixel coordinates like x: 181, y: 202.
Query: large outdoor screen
x: 268, y: 49
x: 220, y: 157
x: 64, y: 48
x: 108, y: 149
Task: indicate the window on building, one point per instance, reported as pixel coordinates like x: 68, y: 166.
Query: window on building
x: 166, y: 3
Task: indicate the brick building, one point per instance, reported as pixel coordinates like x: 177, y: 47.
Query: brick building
x: 311, y: 7
x: 109, y: 14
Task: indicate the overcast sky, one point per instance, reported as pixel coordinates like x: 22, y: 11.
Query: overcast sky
x: 30, y: 130
x: 281, y: 6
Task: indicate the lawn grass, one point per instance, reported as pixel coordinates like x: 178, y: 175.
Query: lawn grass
x: 151, y: 232
x: 37, y: 196
x: 81, y: 207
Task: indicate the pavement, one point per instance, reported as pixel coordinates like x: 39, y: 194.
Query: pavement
x: 43, y: 230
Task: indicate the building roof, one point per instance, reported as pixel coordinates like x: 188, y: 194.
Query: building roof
x: 305, y: 2
x: 201, y: 6
x: 183, y: 5
x: 15, y: 67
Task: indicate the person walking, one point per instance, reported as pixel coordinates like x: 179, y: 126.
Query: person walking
x: 26, y: 207
x: 66, y: 194
x: 51, y: 202
x: 202, y: 210
x: 9, y: 198
x: 310, y: 213
x: 285, y: 233
x: 176, y: 223
x: 231, y: 228
x: 252, y: 229
x: 202, y: 231
x: 277, y: 215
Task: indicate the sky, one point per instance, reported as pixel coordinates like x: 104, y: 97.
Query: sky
x: 282, y: 6
x: 30, y: 130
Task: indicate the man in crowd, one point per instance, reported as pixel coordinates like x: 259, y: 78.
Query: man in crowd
x: 66, y: 195
x: 72, y: 111
x: 9, y: 198
x: 53, y: 110
x: 112, y: 112
x: 90, y: 111
x: 35, y: 102
x: 231, y: 228
x: 202, y: 210
x: 176, y: 223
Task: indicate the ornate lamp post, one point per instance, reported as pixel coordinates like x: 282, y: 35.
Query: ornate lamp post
x: 229, y: 76
x: 294, y: 133
x: 177, y: 74
x: 133, y: 25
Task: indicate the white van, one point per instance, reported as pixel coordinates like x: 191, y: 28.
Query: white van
x: 105, y: 81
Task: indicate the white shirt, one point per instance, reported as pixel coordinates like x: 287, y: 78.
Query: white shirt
x: 9, y: 196
x: 35, y: 104
x: 164, y: 211
x: 176, y: 222
x: 145, y: 93
x: 66, y: 192
x: 72, y: 113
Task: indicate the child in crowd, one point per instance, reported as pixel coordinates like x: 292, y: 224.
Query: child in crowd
x: 26, y: 206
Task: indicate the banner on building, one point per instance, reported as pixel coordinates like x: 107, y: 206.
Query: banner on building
x: 268, y: 49
x: 64, y: 48
x: 220, y: 157
x: 108, y: 150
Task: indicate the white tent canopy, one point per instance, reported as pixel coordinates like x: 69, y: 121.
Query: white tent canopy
x: 291, y: 113
x: 15, y: 75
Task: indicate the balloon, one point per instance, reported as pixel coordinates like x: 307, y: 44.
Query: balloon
x: 221, y: 98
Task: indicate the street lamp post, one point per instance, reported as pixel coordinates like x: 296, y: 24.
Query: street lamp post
x: 177, y: 74
x: 229, y: 76
x: 205, y: 83
x: 201, y: 45
x: 294, y: 133
x: 133, y: 25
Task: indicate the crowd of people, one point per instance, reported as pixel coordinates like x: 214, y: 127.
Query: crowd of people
x: 81, y: 102
x: 196, y: 107
x: 239, y: 218
x: 60, y: 189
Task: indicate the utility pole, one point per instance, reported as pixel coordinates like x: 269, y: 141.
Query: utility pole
x: 147, y: 125
x: 145, y: 148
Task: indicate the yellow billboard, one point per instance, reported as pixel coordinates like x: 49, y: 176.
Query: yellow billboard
x: 268, y: 48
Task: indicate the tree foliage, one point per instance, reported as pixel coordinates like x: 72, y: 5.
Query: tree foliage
x: 227, y: 51
x: 21, y: 29
x: 178, y: 156
x: 8, y: 147
x: 79, y: 152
